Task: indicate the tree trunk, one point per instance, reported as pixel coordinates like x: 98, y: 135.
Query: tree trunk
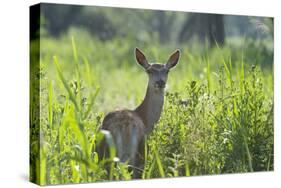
x: 204, y: 26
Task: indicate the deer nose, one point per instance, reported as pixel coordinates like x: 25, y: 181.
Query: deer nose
x: 160, y: 83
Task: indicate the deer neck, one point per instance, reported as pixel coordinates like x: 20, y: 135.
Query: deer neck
x: 151, y: 107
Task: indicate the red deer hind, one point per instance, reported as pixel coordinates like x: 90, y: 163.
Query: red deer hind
x: 129, y: 127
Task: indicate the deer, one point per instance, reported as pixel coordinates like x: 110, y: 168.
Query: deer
x: 130, y: 127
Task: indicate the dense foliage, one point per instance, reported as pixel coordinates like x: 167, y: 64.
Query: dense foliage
x: 217, y: 117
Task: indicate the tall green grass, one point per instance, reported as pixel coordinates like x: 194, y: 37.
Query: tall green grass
x: 217, y: 117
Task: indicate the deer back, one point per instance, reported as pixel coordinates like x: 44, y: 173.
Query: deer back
x: 127, y: 130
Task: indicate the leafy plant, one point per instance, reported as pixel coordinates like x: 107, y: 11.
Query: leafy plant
x: 217, y: 117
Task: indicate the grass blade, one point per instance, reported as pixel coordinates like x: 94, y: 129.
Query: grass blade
x: 77, y: 71
x: 66, y: 86
x: 92, y: 102
x: 159, y: 164
x: 50, y: 98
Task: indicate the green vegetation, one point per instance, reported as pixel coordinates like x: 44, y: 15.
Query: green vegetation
x: 217, y: 117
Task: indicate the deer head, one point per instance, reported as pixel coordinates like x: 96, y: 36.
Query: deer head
x: 157, y: 73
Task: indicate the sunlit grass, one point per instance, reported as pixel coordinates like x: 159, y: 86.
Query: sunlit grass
x: 217, y: 117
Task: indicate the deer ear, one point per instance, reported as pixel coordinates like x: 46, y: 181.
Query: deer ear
x: 141, y: 59
x: 173, y: 59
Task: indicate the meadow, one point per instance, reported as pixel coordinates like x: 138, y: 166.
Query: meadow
x: 217, y: 117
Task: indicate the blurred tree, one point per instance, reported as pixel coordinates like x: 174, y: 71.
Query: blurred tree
x: 59, y: 17
x: 164, y: 22
x: 205, y: 26
x: 263, y: 27
x: 96, y: 22
x: 170, y: 27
